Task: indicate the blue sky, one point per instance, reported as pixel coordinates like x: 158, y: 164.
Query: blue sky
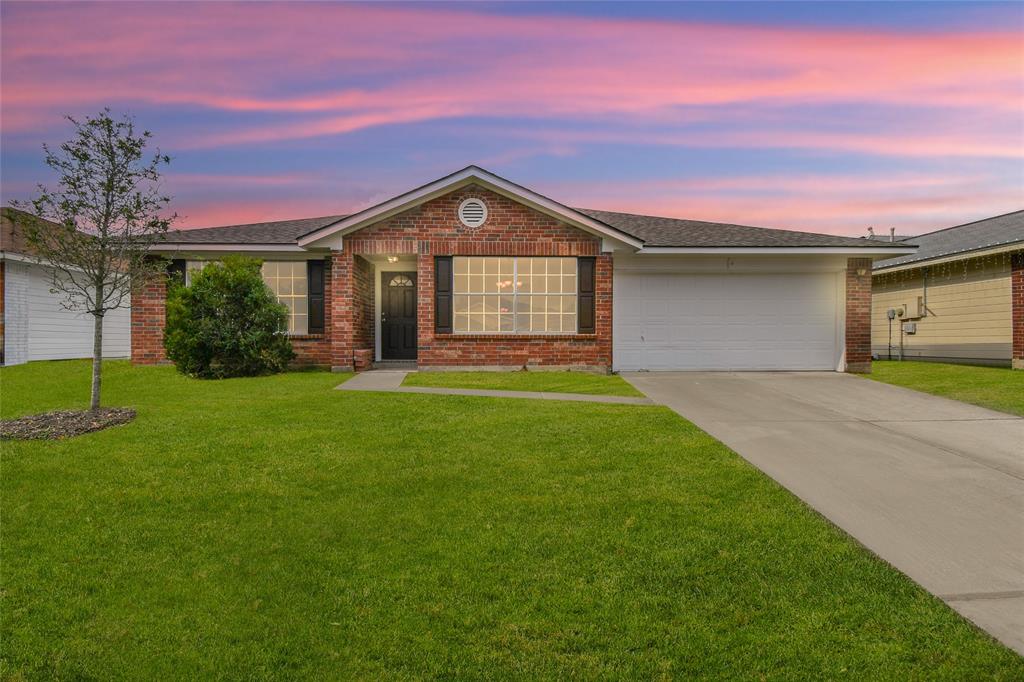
x: 827, y: 117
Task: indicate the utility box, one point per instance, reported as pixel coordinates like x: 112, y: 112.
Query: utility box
x: 910, y: 328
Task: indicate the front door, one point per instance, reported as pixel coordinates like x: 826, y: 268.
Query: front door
x: 398, y: 316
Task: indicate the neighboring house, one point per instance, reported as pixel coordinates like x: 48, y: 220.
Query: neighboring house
x: 959, y: 297
x: 35, y: 325
x: 473, y: 271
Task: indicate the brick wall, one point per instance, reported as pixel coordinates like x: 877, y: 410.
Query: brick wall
x: 433, y: 229
x: 363, y: 284
x: 1017, y: 308
x: 858, y: 315
x: 149, y: 314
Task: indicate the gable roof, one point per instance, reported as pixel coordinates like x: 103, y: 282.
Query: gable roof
x: 470, y: 175
x: 988, y: 233
x: 676, y: 232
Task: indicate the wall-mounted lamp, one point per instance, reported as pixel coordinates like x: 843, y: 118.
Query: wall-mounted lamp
x: 392, y: 259
x: 861, y: 272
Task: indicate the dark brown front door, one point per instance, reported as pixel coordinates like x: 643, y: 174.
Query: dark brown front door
x: 398, y: 316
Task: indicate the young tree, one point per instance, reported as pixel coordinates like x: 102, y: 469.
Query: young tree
x: 107, y: 207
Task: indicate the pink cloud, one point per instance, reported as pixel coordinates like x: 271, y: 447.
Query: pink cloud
x: 411, y: 64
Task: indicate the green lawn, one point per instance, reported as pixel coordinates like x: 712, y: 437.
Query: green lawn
x: 998, y: 388
x: 277, y: 528
x: 548, y: 382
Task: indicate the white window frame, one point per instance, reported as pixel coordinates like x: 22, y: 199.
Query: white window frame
x: 514, y: 295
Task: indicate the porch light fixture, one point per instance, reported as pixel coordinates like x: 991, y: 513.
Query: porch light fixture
x: 392, y: 259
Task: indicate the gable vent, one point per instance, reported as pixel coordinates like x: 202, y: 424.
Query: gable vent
x: 472, y: 212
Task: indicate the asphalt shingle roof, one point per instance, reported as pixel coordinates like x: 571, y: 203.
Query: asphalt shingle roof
x: 656, y: 231
x: 278, y: 232
x: 981, y: 234
x: 653, y: 230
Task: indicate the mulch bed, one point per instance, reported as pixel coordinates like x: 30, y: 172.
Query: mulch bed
x: 63, y: 424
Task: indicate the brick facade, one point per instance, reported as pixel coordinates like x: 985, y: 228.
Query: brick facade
x: 1017, y: 308
x: 149, y: 314
x: 433, y: 229
x: 858, y: 315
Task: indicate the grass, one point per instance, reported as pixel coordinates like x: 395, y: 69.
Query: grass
x: 273, y: 527
x: 998, y: 388
x: 547, y: 382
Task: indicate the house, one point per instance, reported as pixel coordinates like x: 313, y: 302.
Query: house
x: 34, y: 324
x: 958, y: 298
x: 474, y: 271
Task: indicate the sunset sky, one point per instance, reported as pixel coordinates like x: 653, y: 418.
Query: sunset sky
x: 821, y: 117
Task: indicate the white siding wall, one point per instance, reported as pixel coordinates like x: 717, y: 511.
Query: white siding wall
x: 37, y: 327
x: 16, y: 281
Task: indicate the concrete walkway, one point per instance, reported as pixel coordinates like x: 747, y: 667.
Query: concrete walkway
x: 933, y: 486
x: 391, y: 381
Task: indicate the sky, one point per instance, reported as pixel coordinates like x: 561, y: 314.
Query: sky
x: 826, y: 117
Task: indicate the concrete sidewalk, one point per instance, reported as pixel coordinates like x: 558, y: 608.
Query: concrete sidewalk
x: 933, y: 486
x: 391, y: 381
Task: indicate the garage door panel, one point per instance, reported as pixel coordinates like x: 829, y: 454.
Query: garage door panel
x: 669, y: 321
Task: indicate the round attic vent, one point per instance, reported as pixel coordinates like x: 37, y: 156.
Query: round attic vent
x: 472, y: 212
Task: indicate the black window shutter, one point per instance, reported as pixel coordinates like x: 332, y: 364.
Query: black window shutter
x: 176, y: 270
x: 315, y: 295
x: 585, y: 284
x: 443, y: 294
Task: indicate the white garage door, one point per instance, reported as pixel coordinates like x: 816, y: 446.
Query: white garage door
x: 672, y: 321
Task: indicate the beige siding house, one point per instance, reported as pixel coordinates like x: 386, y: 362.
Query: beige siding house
x: 953, y: 300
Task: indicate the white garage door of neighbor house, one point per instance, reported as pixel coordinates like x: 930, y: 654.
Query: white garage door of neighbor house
x: 673, y: 321
x: 55, y: 333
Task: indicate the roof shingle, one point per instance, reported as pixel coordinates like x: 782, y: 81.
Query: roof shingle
x: 676, y: 232
x: 278, y: 232
x: 981, y: 234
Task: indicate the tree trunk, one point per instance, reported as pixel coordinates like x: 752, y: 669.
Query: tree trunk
x: 97, y: 360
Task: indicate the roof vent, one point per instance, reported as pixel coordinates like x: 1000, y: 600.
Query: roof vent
x: 472, y: 213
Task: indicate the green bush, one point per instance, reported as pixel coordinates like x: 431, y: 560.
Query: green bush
x: 226, y: 323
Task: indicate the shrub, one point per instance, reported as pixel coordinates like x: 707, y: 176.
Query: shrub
x: 226, y: 323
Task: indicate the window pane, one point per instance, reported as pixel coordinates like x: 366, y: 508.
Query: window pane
x: 476, y: 284
x: 461, y: 322
x: 490, y: 304
x: 476, y: 266
x: 507, y: 323
x: 461, y: 284
x: 554, y: 284
x: 554, y: 323
x: 461, y: 266
x: 505, y: 266
x: 490, y: 323
x: 460, y: 304
x: 476, y: 323
x: 522, y: 323
x: 524, y: 266
x: 505, y: 304
x: 569, y: 323
x: 476, y: 304
x: 300, y: 326
x: 539, y: 284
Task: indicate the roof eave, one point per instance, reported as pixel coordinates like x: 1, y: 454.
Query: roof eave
x: 876, y: 252
x: 949, y: 257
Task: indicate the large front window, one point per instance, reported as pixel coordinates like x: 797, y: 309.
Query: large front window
x: 514, y: 295
x: 287, y: 279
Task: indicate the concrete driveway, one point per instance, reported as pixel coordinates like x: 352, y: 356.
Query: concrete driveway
x: 933, y: 486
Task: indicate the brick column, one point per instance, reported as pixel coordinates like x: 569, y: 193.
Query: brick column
x: 1017, y: 307
x: 342, y: 311
x: 858, y: 315
x: 603, y: 309
x: 149, y: 314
